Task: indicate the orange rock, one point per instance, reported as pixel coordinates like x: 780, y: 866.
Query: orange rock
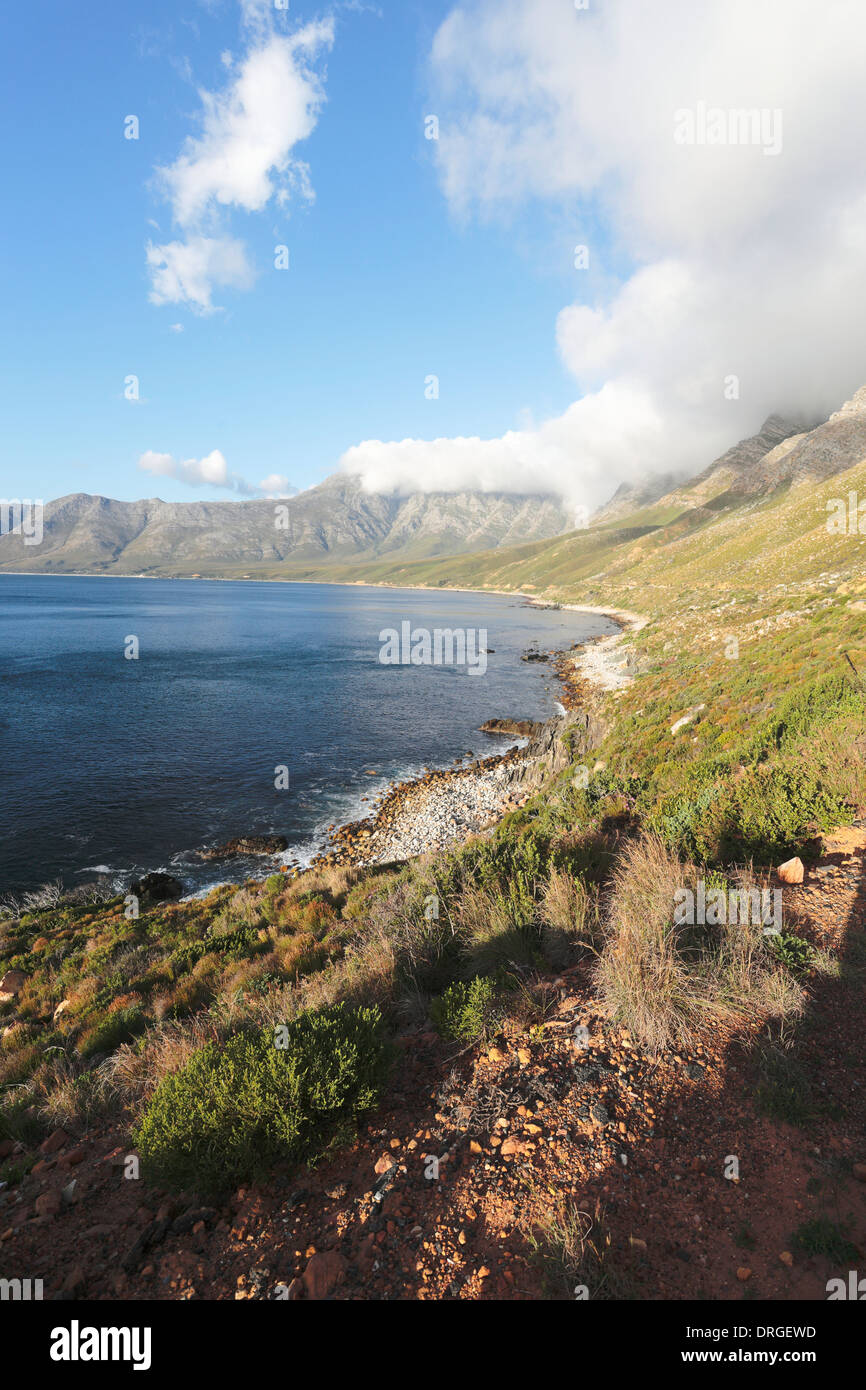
x: 792, y: 871
x: 54, y: 1142
x: 325, y: 1271
x: 48, y: 1204
x: 743, y: 1274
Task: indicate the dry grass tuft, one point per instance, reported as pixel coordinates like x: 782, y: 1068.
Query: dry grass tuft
x: 668, y: 982
x: 567, y: 916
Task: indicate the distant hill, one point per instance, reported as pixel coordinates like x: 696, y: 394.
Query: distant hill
x: 337, y: 521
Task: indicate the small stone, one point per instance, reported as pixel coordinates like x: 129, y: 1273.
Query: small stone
x: 744, y: 1273
x: 325, y: 1271
x: 54, y: 1142
x: 787, y: 1258
x: 792, y: 871
x: 48, y: 1204
x: 74, y: 1157
x: 11, y: 984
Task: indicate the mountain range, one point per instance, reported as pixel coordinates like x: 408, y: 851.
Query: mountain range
x: 339, y: 530
x: 337, y: 521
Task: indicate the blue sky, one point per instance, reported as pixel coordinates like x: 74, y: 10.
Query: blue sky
x: 725, y: 277
x: 386, y: 284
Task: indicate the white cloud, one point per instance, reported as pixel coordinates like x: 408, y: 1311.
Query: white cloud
x: 244, y: 157
x: 277, y: 485
x: 212, y: 471
x: 740, y: 264
x: 186, y: 272
x: 616, y: 432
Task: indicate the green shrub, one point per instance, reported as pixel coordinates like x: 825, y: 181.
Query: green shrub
x: 805, y: 710
x: 235, y: 1110
x: 462, y: 1013
x: 512, y: 861
x: 784, y: 1091
x: 111, y: 1031
x: 792, y: 951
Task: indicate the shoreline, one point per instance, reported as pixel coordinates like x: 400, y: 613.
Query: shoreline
x: 444, y: 806
x: 618, y: 615
x: 330, y: 583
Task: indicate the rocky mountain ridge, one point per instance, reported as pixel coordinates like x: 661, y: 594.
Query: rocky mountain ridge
x: 337, y: 520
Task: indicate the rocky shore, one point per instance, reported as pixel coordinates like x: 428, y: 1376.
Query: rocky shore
x: 430, y: 813
x: 445, y: 806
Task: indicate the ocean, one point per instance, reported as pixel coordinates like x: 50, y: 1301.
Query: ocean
x: 114, y: 763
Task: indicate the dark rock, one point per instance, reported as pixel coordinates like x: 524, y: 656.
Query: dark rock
x: 159, y: 888
x: 188, y: 1219
x: 522, y: 727
x: 151, y: 1235
x: 247, y: 844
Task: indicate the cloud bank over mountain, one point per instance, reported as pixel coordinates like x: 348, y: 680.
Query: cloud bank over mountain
x: 725, y: 171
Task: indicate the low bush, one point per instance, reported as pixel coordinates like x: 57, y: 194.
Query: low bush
x: 233, y: 1111
x: 463, y: 1012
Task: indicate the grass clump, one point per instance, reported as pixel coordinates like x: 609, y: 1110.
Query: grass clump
x: 573, y: 1252
x: 462, y: 1013
x: 668, y: 980
x: 567, y: 917
x: 233, y: 1111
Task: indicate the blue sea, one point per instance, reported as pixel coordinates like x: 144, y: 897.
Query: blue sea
x: 112, y: 766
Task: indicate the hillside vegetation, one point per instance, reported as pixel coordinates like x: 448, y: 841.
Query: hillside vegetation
x: 754, y: 638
